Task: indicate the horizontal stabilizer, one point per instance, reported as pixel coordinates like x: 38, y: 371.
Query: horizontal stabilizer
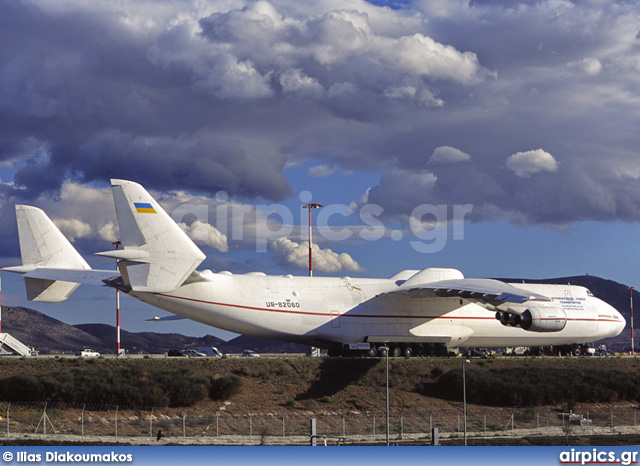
x: 81, y: 276
x: 163, y: 319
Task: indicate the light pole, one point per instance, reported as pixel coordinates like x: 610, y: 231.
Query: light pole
x: 464, y: 398
x: 313, y: 205
x: 385, y: 350
x: 117, y: 244
x: 633, y: 349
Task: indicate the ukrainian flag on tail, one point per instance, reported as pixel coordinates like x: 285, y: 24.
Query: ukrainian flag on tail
x: 144, y: 208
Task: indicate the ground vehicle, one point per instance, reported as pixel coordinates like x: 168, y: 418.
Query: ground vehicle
x: 249, y: 354
x: 210, y: 351
x: 89, y: 353
x: 585, y: 350
x: 191, y: 353
x: 517, y: 351
x: 175, y: 352
x: 480, y: 353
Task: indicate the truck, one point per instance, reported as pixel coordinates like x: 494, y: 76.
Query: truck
x: 210, y: 351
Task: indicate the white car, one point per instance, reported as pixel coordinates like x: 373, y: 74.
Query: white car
x: 89, y: 353
x: 249, y: 354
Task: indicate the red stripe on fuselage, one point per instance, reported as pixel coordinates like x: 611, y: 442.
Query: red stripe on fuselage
x: 383, y: 316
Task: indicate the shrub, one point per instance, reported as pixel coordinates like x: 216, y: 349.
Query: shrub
x: 224, y: 387
x: 528, y: 386
x: 124, y: 386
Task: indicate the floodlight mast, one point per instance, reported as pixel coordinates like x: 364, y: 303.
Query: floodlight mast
x: 313, y: 205
x: 633, y: 349
x: 117, y: 244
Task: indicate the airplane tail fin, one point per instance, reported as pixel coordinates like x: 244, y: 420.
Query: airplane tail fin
x: 157, y: 256
x: 42, y: 245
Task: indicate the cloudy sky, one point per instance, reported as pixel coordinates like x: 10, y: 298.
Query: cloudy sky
x: 497, y: 137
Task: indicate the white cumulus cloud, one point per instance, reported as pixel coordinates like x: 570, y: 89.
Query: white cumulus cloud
x: 74, y: 228
x: 204, y: 233
x: 290, y: 253
x: 448, y: 154
x: 525, y: 164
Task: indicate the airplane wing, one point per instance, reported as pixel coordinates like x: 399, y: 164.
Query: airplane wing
x: 490, y: 291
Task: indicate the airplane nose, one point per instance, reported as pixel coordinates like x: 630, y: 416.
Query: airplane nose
x: 619, y: 324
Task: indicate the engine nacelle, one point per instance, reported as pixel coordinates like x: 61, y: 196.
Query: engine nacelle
x: 543, y: 319
x: 535, y: 319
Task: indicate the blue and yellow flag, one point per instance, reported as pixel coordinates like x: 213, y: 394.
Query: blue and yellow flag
x: 144, y: 208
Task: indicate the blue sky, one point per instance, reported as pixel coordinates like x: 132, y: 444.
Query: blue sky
x: 523, y: 116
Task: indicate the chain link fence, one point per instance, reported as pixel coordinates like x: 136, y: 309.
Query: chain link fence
x: 74, y: 423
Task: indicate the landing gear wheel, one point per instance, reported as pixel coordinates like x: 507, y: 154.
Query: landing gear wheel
x: 408, y: 352
x: 373, y: 352
x: 576, y: 351
x: 395, y: 352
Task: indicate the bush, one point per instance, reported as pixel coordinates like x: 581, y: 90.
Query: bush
x: 224, y: 387
x: 528, y: 386
x: 125, y: 386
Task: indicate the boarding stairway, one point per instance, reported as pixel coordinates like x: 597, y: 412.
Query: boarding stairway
x: 10, y: 345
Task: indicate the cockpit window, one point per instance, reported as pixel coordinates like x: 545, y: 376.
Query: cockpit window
x: 589, y: 293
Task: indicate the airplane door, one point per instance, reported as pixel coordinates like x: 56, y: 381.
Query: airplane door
x: 335, y: 319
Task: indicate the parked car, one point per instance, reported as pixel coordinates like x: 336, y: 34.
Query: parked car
x: 249, y: 354
x: 89, y: 353
x: 175, y: 352
x: 191, y: 353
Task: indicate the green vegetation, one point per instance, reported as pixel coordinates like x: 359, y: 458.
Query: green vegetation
x: 102, y: 386
x: 224, y: 387
x: 534, y: 386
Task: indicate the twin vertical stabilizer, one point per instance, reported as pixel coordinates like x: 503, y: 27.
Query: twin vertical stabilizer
x: 42, y: 245
x: 157, y: 256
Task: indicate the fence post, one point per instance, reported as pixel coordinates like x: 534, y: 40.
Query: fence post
x: 313, y: 432
x: 374, y: 427
x: 485, y: 423
x: 402, y: 424
x: 8, y: 409
x: 184, y: 424
x: 611, y: 418
x: 217, y: 426
x: 344, y: 431
x: 251, y: 428
x: 284, y: 432
x: 151, y: 424
x: 82, y: 416
x: 117, y: 423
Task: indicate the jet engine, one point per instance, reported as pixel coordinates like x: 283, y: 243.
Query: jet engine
x: 535, y: 319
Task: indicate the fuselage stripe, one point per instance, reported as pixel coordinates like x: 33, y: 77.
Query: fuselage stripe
x: 382, y: 316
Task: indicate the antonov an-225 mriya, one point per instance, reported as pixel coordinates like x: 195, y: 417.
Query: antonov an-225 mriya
x: 413, y: 312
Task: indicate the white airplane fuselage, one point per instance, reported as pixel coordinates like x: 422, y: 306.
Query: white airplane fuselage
x: 327, y: 311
